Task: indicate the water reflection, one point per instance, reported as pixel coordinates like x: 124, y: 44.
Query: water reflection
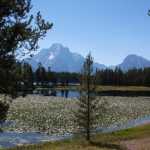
x: 59, y: 93
x: 67, y: 93
x: 62, y: 93
x: 76, y: 93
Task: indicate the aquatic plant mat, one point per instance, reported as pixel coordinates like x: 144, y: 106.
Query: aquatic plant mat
x: 55, y: 115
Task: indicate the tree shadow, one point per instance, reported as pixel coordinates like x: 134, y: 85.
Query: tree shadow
x: 107, y: 145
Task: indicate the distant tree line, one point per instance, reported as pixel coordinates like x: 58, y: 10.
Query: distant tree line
x: 133, y: 77
x: 43, y: 76
x: 27, y: 79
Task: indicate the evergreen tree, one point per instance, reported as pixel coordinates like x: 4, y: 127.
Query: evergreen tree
x: 19, y: 30
x: 41, y: 74
x: 88, y: 105
x: 26, y: 78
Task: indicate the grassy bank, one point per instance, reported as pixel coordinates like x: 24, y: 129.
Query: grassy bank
x: 111, y: 141
x: 102, y: 88
x: 123, y: 88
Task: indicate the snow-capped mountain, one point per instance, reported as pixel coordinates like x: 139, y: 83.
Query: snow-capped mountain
x: 59, y: 59
x: 134, y: 61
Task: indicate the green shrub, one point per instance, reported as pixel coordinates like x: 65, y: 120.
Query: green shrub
x: 3, y: 110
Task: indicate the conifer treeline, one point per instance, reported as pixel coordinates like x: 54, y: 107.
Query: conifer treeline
x: 133, y: 77
x: 41, y: 76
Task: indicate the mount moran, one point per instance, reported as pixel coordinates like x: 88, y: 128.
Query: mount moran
x: 61, y: 59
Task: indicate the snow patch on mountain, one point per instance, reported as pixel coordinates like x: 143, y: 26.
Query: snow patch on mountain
x: 60, y: 59
x: 51, y: 56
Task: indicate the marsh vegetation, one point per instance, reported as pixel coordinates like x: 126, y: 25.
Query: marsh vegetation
x: 55, y: 115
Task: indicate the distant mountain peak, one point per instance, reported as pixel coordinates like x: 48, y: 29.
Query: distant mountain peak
x: 58, y: 48
x: 134, y: 61
x: 60, y: 59
x: 133, y: 56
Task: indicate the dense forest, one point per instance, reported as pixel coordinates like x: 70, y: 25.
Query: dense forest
x: 42, y: 77
x: 133, y: 77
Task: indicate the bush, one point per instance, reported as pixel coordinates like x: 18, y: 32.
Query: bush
x: 3, y: 110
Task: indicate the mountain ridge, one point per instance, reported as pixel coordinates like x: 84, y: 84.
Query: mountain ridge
x: 134, y: 61
x: 61, y: 59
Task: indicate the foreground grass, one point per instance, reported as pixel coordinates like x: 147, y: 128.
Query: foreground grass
x: 103, y: 88
x: 109, y: 141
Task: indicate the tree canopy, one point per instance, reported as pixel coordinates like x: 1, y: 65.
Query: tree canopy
x: 19, y: 30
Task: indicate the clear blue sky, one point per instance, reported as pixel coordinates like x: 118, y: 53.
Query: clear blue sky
x: 110, y: 29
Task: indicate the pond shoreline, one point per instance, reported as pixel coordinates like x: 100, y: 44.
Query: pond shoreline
x: 76, y: 94
x: 27, y: 138
x: 54, y: 116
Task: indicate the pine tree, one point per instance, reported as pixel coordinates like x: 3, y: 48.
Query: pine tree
x: 26, y: 78
x: 19, y: 30
x: 88, y: 104
x: 40, y: 74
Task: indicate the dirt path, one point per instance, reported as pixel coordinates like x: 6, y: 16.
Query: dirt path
x: 137, y: 144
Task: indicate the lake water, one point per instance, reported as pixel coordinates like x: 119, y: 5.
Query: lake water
x: 76, y: 93
x: 59, y: 93
x: 12, y: 139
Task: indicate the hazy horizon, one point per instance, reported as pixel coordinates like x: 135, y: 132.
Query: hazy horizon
x: 111, y: 30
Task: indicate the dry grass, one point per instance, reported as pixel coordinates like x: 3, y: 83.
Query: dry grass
x: 105, y: 88
x: 123, y: 88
